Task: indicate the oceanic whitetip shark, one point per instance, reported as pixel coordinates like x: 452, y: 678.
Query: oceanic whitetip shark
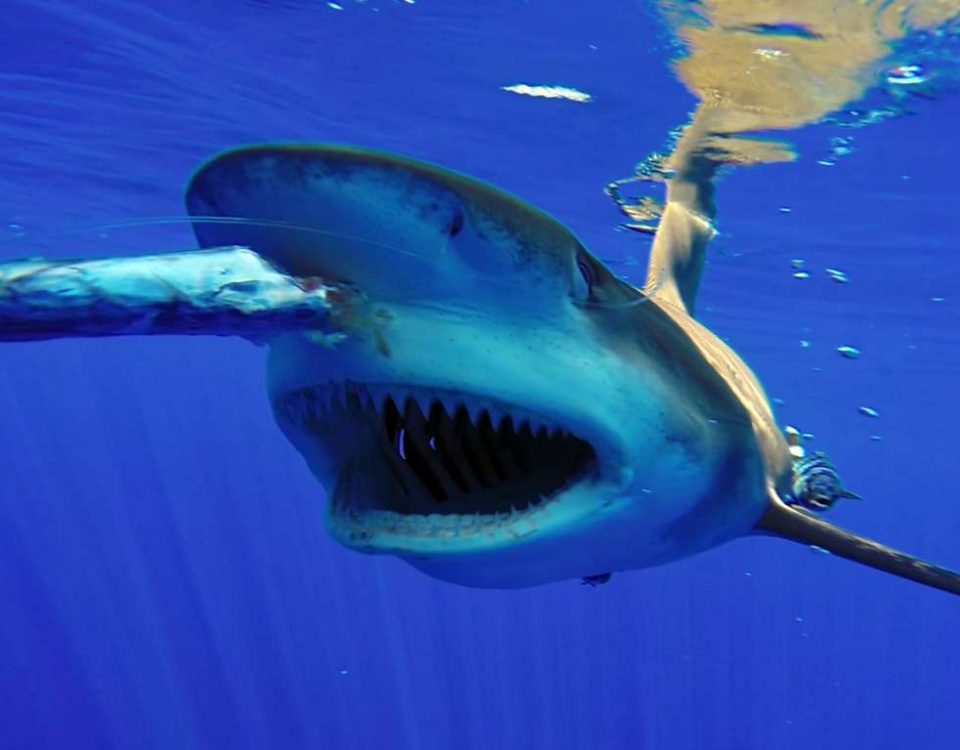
x: 476, y: 391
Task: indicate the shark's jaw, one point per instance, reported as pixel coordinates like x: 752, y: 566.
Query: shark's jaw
x: 497, y: 451
x: 424, y: 471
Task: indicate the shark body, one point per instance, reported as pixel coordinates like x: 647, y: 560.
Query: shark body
x: 576, y: 424
x: 497, y: 408
x: 507, y: 412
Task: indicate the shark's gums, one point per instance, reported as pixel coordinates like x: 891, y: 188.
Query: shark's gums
x: 476, y: 392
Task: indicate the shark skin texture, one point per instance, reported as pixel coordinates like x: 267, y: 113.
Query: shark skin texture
x: 477, y: 393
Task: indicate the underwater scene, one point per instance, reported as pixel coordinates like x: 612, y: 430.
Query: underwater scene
x: 427, y: 374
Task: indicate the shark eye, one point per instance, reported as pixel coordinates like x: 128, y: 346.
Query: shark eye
x: 583, y: 280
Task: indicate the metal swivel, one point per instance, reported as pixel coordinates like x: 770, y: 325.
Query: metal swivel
x: 815, y: 484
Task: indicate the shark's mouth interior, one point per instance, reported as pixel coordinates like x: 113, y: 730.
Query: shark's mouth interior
x: 416, y: 453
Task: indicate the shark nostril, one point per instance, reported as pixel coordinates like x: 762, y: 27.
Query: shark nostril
x: 456, y: 223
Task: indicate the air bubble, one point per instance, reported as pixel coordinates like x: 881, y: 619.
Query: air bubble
x: 850, y: 352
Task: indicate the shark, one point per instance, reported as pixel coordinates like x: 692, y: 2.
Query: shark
x: 476, y: 391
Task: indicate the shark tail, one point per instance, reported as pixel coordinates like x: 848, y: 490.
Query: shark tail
x: 228, y: 291
x: 799, y: 526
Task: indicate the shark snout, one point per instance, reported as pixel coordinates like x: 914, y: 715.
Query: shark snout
x: 332, y: 213
x: 397, y: 228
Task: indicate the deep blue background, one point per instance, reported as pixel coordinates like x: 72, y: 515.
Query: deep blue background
x: 164, y: 577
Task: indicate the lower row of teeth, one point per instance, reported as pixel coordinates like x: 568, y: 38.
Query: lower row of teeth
x: 441, y: 525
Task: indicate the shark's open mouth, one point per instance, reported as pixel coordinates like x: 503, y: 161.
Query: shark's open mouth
x: 433, y: 462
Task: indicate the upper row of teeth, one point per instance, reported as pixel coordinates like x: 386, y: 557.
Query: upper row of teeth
x: 332, y: 396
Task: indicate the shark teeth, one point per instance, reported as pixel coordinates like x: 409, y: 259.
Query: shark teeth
x: 331, y: 396
x: 452, y: 401
x: 436, y: 525
x: 432, y: 462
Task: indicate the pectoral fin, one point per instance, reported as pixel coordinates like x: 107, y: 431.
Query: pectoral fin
x: 804, y: 528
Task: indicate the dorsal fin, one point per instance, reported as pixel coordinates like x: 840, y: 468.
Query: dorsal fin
x: 802, y: 527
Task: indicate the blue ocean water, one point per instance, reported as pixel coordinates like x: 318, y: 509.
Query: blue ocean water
x: 165, y: 577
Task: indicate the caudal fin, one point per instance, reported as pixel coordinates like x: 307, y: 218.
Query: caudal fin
x: 804, y: 528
